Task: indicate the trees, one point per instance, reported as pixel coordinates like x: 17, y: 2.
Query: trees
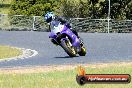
x: 94, y: 9
x: 32, y: 7
x: 75, y: 8
x: 120, y: 9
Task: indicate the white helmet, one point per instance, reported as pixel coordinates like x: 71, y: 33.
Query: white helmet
x: 49, y: 17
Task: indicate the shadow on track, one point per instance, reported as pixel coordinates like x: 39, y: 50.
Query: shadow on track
x: 66, y: 57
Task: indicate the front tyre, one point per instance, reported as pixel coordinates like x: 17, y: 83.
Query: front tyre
x: 66, y: 45
x: 83, y: 51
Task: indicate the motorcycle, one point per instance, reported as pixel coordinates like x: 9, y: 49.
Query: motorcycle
x: 64, y: 37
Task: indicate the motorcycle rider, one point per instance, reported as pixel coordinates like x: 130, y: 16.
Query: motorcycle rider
x: 53, y: 19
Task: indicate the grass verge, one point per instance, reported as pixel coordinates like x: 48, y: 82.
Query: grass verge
x: 5, y: 6
x: 63, y: 78
x: 8, y: 52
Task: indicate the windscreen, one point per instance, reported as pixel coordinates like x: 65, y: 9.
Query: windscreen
x: 56, y: 27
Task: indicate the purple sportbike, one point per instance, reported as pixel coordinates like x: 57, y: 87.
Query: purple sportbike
x: 67, y: 40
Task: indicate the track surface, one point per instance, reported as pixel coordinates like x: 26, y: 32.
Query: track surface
x: 101, y: 48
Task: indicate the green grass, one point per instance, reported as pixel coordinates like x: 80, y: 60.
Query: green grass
x: 61, y: 79
x: 4, y: 10
x: 7, y: 52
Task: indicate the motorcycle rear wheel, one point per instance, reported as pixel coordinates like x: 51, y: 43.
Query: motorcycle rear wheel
x: 83, y: 51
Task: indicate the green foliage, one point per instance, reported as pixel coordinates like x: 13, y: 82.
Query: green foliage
x: 120, y: 9
x: 22, y: 22
x: 82, y: 8
x: 29, y: 8
x: 32, y: 7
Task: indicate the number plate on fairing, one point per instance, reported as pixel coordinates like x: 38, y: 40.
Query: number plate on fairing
x: 58, y: 28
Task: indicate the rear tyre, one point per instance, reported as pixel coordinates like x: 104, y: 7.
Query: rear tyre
x: 83, y: 51
x: 65, y: 44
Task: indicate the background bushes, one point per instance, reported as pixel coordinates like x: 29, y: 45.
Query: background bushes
x: 120, y: 9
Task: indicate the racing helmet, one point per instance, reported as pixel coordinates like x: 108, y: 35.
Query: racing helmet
x: 49, y: 17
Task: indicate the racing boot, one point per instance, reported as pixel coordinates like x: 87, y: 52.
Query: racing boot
x: 54, y: 42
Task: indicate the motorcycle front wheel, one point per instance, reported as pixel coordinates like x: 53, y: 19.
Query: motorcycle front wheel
x: 69, y: 49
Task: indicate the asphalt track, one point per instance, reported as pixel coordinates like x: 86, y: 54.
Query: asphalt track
x: 101, y: 48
